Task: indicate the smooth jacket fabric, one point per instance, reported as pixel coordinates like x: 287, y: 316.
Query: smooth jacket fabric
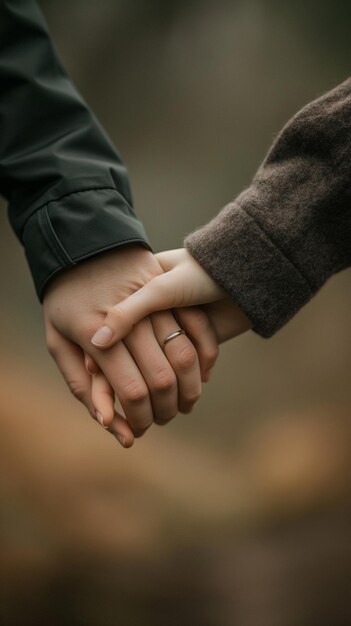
x: 68, y: 190
x: 281, y: 239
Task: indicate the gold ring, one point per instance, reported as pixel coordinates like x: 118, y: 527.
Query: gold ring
x: 173, y: 335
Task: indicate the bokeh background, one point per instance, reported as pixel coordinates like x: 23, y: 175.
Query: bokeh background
x: 239, y: 514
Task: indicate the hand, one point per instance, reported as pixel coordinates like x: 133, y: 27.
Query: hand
x: 150, y: 383
x: 184, y: 283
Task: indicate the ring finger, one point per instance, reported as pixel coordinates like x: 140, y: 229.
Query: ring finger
x: 183, y: 358
x: 156, y: 370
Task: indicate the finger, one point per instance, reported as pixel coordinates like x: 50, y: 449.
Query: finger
x: 103, y: 399
x: 70, y: 360
x: 129, y: 386
x: 121, y: 430
x: 228, y: 321
x: 90, y: 365
x: 156, y: 370
x: 168, y: 259
x: 162, y: 292
x: 183, y: 358
x: 202, y: 334
x: 185, y: 284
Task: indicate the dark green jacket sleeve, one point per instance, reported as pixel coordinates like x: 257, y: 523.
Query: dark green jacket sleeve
x: 281, y: 239
x: 68, y: 191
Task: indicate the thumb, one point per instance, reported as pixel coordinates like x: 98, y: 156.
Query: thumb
x: 157, y: 295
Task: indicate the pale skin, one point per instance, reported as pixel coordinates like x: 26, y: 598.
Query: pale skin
x: 182, y: 287
x: 151, y: 383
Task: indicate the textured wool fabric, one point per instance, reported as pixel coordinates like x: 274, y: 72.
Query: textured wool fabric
x: 281, y: 239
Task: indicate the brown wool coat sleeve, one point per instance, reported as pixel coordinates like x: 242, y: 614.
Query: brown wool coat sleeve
x: 274, y: 246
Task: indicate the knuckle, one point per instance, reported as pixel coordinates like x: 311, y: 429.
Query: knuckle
x: 199, y: 319
x: 140, y: 431
x: 135, y: 392
x: 115, y: 314
x: 51, y: 342
x: 52, y: 348
x: 167, y: 416
x: 77, y: 389
x: 186, y: 357
x: 162, y: 421
x: 86, y: 330
x: 186, y: 409
x: 211, y: 355
x: 188, y: 403
x: 192, y: 398
x: 164, y: 381
x: 195, y: 321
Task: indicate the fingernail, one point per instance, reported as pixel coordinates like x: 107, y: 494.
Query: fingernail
x: 102, y: 336
x: 121, y: 439
x: 100, y: 419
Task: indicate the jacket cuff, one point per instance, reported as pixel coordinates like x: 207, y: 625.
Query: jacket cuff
x: 242, y: 259
x: 285, y: 235
x: 85, y: 221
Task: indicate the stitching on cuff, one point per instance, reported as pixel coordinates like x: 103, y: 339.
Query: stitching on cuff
x: 71, y: 193
x: 76, y: 191
x: 46, y: 279
x: 297, y: 269
x: 110, y: 247
x: 51, y: 238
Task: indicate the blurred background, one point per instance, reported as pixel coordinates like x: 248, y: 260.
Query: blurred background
x: 239, y: 514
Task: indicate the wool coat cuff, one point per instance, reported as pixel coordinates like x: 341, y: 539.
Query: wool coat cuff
x: 275, y: 246
x: 242, y: 259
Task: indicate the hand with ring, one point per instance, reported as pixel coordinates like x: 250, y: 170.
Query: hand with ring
x: 152, y: 380
x: 182, y: 285
x: 182, y: 288
x: 188, y: 355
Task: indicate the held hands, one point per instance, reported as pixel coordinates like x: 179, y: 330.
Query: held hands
x: 151, y: 381
x: 182, y: 285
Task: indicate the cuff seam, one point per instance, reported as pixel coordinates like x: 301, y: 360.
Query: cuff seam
x: 278, y: 248
x: 51, y: 237
x: 85, y: 257
x: 76, y: 191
